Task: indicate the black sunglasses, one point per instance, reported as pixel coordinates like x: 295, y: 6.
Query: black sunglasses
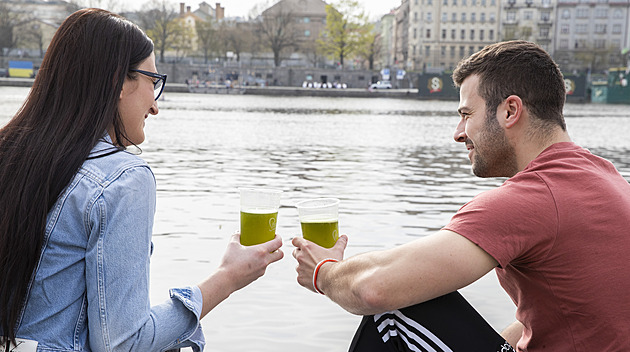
x: 158, y: 85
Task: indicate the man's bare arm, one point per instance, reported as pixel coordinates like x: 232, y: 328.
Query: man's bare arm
x: 415, y: 272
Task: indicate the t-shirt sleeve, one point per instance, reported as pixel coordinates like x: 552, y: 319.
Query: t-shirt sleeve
x: 516, y: 223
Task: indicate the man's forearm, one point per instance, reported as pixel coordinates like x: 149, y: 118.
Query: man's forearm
x: 346, y: 283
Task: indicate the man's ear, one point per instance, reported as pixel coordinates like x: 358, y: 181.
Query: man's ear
x: 513, y: 106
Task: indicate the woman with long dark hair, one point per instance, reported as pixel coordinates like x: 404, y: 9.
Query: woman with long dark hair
x: 76, y: 209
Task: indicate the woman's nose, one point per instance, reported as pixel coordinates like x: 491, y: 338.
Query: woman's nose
x: 154, y: 108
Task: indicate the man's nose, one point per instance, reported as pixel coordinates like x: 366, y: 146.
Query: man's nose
x: 460, y: 132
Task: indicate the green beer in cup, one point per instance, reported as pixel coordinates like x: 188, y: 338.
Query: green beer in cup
x: 319, y: 219
x: 259, y: 214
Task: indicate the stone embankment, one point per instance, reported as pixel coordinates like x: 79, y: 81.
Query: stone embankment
x: 269, y: 91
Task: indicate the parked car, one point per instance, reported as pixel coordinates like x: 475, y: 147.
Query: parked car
x: 4, y: 72
x: 381, y: 85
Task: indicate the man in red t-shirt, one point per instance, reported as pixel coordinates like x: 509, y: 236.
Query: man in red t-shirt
x: 555, y: 231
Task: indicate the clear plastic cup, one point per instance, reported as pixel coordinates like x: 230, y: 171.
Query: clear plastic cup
x: 319, y: 219
x: 259, y: 214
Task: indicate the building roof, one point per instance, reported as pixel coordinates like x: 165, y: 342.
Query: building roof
x: 298, y: 7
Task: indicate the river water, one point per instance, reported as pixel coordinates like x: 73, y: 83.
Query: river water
x: 393, y: 163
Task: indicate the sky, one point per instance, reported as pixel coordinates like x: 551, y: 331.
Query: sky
x: 374, y: 8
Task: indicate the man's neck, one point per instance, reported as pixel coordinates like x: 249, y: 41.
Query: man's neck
x: 531, y: 149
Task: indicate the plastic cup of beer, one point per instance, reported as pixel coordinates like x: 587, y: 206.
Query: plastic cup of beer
x: 259, y: 214
x: 319, y: 219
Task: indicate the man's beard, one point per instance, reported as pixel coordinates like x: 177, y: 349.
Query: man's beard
x: 493, y: 154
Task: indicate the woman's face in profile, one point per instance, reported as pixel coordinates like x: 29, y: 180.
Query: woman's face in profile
x: 137, y: 102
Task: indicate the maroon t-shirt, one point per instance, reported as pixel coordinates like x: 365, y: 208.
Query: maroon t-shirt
x: 560, y: 232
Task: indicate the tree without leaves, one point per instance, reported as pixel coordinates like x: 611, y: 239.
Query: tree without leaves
x: 208, y: 38
x: 235, y: 37
x: 182, y: 40
x: 160, y: 25
x: 9, y: 21
x: 277, y: 31
x: 369, y: 46
x: 32, y: 35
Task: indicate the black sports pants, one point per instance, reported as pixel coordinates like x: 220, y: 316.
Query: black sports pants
x: 444, y: 324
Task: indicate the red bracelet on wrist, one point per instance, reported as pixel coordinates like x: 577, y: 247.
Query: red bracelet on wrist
x: 317, y: 267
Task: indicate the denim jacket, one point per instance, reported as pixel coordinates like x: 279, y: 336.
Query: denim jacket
x: 90, y: 290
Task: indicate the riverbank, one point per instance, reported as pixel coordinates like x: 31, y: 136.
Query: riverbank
x: 267, y: 91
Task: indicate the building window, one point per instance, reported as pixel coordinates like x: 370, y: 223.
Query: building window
x: 617, y: 14
x: 511, y: 16
x: 462, y: 35
x: 452, y: 51
x: 445, y: 2
x: 600, y: 28
x: 453, y: 34
x: 492, y: 17
x: 444, y: 17
x: 615, y: 44
x: 544, y: 32
x: 545, y: 16
x: 443, y: 50
x: 566, y: 14
x: 481, y: 34
x: 616, y: 29
x: 454, y: 17
x: 581, y: 13
x: 483, y: 3
x: 427, y: 51
x: 564, y: 28
x: 471, y: 50
x: 415, y: 16
x: 528, y: 15
x: 307, y: 33
x: 307, y: 20
x: 483, y: 17
x: 443, y: 33
x: 474, y: 2
x: 491, y: 34
x: 472, y: 34
x: 415, y: 33
x: 473, y: 17
x: 454, y: 2
x: 580, y: 28
x: 600, y: 43
x: 429, y: 17
x: 463, y: 16
x: 601, y: 13
x: 546, y: 3
x: 461, y: 51
x: 428, y: 34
